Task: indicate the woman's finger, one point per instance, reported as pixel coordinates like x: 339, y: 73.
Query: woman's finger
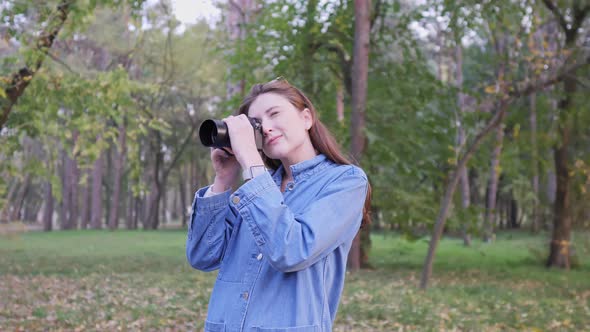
x: 227, y: 151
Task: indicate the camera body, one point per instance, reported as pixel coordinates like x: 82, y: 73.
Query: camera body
x: 214, y: 133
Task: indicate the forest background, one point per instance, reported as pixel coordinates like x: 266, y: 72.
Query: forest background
x: 470, y: 117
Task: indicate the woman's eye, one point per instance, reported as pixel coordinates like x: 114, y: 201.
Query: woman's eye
x: 274, y: 113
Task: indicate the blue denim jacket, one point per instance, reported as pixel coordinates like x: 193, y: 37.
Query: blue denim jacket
x: 281, y: 256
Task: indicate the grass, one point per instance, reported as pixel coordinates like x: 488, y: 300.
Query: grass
x: 100, y: 280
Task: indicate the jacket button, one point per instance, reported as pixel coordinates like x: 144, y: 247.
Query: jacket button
x: 259, y: 257
x: 235, y: 199
x: 245, y: 295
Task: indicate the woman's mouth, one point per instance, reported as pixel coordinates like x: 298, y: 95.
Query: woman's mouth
x: 273, y: 140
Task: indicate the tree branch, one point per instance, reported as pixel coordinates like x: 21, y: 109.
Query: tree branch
x: 579, y: 15
x: 345, y: 63
x: 237, y: 7
x: 65, y: 65
x: 504, y: 101
x: 375, y: 13
x: 551, y: 6
x: 450, y: 190
x: 21, y: 79
x: 534, y: 87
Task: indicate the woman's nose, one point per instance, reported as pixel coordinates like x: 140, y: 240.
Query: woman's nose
x: 266, y: 130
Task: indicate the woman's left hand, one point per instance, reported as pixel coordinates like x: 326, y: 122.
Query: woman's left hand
x: 243, y: 144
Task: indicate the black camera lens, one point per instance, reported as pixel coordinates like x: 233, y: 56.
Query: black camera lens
x: 213, y: 133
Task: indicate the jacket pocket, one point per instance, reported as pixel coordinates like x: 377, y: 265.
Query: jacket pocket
x: 308, y: 328
x: 214, y: 327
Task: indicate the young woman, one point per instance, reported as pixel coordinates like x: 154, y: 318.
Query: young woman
x: 281, y: 239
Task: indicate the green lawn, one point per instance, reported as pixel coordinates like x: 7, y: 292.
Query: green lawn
x: 104, y: 281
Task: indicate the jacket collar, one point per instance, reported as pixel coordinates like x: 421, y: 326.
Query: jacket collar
x: 303, y: 169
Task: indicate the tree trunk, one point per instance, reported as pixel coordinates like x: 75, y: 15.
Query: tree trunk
x: 107, y: 186
x: 20, y: 198
x: 32, y: 207
x: 96, y: 212
x: 153, y: 206
x: 449, y: 191
x: 464, y: 179
x: 538, y: 39
x: 238, y: 16
x: 488, y: 232
x: 360, y: 72
x: 560, y: 239
x: 61, y: 212
x: 501, y: 213
x: 138, y: 211
x: 535, y: 163
x: 33, y: 203
x: 183, y: 196
x: 152, y: 219
x: 308, y: 48
x: 163, y: 202
x: 85, y: 207
x: 66, y: 197
x: 340, y: 102
x: 514, y: 224
x: 118, y: 175
x: 559, y: 249
x: 175, y: 208
x: 474, y: 190
x: 48, y: 211
x: 74, y: 215
x: 160, y: 173
x: 6, y: 211
x: 493, y: 186
x: 130, y: 207
x: 192, y: 171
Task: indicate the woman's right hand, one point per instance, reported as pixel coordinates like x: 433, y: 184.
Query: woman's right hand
x: 227, y: 170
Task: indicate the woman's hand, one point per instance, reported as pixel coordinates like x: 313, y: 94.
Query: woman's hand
x: 227, y: 170
x: 241, y: 135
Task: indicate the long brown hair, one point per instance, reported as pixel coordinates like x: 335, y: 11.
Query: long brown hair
x: 321, y: 137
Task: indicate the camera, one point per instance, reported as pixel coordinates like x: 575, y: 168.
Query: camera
x: 213, y: 133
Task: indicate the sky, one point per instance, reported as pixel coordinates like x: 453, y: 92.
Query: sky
x: 188, y: 11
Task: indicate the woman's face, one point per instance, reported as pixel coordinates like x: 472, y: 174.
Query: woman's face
x: 285, y: 128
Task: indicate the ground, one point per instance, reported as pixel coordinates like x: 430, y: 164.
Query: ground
x: 138, y: 280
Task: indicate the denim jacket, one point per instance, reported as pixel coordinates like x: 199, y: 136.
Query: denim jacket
x: 281, y: 256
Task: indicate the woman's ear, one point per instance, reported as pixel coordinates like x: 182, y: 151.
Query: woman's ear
x: 307, y: 118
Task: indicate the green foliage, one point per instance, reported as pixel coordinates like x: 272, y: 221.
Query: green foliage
x: 303, y: 41
x: 161, y: 82
x: 101, y: 74
x: 411, y: 110
x: 313, y: 51
x: 409, y: 114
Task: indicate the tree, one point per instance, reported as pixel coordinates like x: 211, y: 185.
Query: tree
x: 96, y: 207
x: 15, y: 86
x: 95, y: 84
x: 464, y: 178
x: 113, y: 220
x: 67, y: 100
x: 19, y: 80
x: 559, y: 255
x: 187, y: 81
x: 360, y: 71
x: 508, y: 94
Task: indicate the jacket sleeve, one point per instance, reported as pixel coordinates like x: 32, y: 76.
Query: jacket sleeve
x: 210, y: 227
x: 295, y: 241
